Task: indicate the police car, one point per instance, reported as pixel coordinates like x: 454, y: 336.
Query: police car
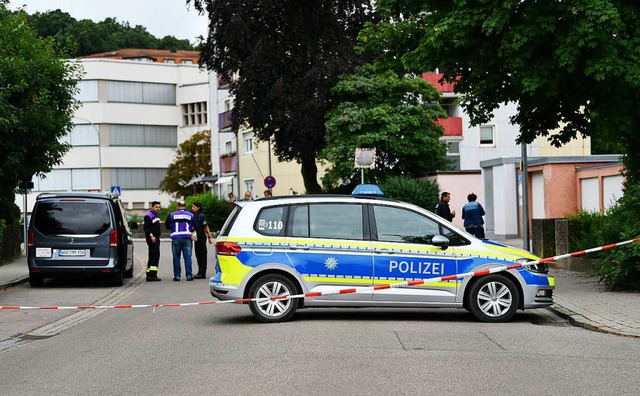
x: 303, y: 244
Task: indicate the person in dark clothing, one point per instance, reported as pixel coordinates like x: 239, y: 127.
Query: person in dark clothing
x: 180, y: 224
x: 472, y: 213
x: 152, y: 231
x: 203, y: 235
x: 442, y: 208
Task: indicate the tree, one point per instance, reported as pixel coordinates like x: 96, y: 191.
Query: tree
x: 37, y: 88
x: 568, y: 64
x: 288, y: 55
x: 193, y: 159
x: 393, y: 114
x: 108, y: 35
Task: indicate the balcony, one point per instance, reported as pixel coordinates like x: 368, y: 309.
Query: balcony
x: 434, y: 79
x: 228, y: 163
x: 224, y: 120
x: 452, y: 125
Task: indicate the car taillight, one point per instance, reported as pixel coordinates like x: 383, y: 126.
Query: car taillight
x: 227, y: 248
x: 113, y: 238
x: 32, y: 238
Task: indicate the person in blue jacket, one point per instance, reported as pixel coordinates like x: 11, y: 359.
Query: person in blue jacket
x: 472, y: 213
x: 180, y: 224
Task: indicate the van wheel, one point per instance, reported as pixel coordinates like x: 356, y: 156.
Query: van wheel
x: 271, y: 311
x: 36, y: 280
x: 116, y: 278
x: 493, y: 298
x: 129, y: 273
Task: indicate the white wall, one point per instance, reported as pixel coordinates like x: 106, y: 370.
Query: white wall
x: 612, y: 190
x: 590, y: 194
x: 537, y: 195
x: 504, y: 198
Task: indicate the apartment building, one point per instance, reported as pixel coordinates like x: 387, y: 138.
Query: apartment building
x: 137, y: 107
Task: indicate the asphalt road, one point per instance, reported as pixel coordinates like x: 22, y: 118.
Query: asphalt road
x: 222, y: 350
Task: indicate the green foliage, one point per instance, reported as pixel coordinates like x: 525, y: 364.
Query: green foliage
x: 393, y: 114
x: 562, y: 62
x: 95, y: 37
x: 288, y: 55
x: 37, y: 88
x: 215, y: 209
x: 618, y: 267
x: 193, y: 159
x: 422, y: 193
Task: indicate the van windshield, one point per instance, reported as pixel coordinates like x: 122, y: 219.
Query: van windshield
x: 71, y: 218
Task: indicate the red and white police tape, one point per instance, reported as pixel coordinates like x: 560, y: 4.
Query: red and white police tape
x: 341, y: 291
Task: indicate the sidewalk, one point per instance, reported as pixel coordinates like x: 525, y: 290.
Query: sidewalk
x: 578, y: 297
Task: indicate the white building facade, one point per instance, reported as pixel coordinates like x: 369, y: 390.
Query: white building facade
x: 134, y: 114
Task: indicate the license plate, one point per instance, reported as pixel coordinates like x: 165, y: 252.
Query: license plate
x: 43, y: 252
x: 67, y: 252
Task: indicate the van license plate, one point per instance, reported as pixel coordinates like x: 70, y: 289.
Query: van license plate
x: 63, y: 252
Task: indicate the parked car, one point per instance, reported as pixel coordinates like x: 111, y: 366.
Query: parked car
x: 79, y: 233
x: 303, y: 244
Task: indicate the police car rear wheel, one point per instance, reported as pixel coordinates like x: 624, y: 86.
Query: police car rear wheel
x: 493, y: 298
x: 270, y: 311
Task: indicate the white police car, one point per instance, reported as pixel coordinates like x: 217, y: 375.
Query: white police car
x: 303, y: 244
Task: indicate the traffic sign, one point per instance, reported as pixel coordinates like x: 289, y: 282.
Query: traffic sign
x: 116, y: 190
x: 269, y: 182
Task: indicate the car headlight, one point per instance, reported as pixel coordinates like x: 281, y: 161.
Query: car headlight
x: 541, y: 268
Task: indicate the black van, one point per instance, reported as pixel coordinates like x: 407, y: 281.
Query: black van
x: 79, y: 233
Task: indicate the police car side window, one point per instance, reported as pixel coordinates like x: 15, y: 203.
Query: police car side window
x: 271, y: 221
x: 400, y: 225
x: 299, y: 221
x: 336, y: 221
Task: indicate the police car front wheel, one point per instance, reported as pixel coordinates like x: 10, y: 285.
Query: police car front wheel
x: 267, y: 310
x: 493, y: 298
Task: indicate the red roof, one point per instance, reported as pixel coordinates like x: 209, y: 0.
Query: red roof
x: 155, y: 55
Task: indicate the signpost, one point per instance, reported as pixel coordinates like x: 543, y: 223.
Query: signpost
x: 116, y: 190
x: 269, y: 182
x: 365, y: 158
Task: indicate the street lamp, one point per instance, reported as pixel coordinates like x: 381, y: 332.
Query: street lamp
x: 99, y: 146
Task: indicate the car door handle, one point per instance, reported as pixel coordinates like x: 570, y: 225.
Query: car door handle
x: 383, y: 250
x: 301, y: 246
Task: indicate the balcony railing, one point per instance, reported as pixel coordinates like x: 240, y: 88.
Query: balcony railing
x: 224, y: 120
x: 452, y: 125
x: 229, y: 163
x: 434, y: 79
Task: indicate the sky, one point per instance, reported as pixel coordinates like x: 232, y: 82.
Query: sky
x: 160, y: 17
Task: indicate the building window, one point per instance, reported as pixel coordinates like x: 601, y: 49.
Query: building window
x: 139, y: 92
x: 247, y: 138
x: 83, y: 135
x: 137, y: 178
x: 487, y: 135
x: 87, y: 91
x: 172, y: 61
x: 194, y: 114
x: 249, y: 185
x: 187, y: 61
x: 228, y: 148
x: 68, y: 180
x: 227, y: 105
x: 143, y: 135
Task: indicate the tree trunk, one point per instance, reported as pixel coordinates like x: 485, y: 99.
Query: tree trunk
x: 309, y: 173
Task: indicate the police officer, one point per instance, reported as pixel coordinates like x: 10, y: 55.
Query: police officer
x: 203, y: 235
x: 152, y: 231
x: 442, y: 208
x: 180, y: 223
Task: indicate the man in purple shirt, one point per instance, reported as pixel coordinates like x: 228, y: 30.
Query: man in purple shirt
x: 180, y: 224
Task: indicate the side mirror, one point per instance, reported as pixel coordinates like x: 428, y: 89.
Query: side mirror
x: 133, y: 225
x: 440, y: 241
x: 215, y: 234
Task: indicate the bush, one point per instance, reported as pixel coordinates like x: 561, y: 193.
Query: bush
x: 619, y: 268
x: 422, y: 193
x: 215, y: 209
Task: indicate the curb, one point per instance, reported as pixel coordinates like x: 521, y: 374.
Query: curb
x: 14, y: 282
x: 580, y: 321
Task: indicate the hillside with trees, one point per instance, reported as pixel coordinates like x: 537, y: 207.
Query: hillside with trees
x: 86, y: 37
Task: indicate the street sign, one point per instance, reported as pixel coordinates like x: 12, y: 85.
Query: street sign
x: 269, y: 182
x: 116, y: 190
x: 365, y: 158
